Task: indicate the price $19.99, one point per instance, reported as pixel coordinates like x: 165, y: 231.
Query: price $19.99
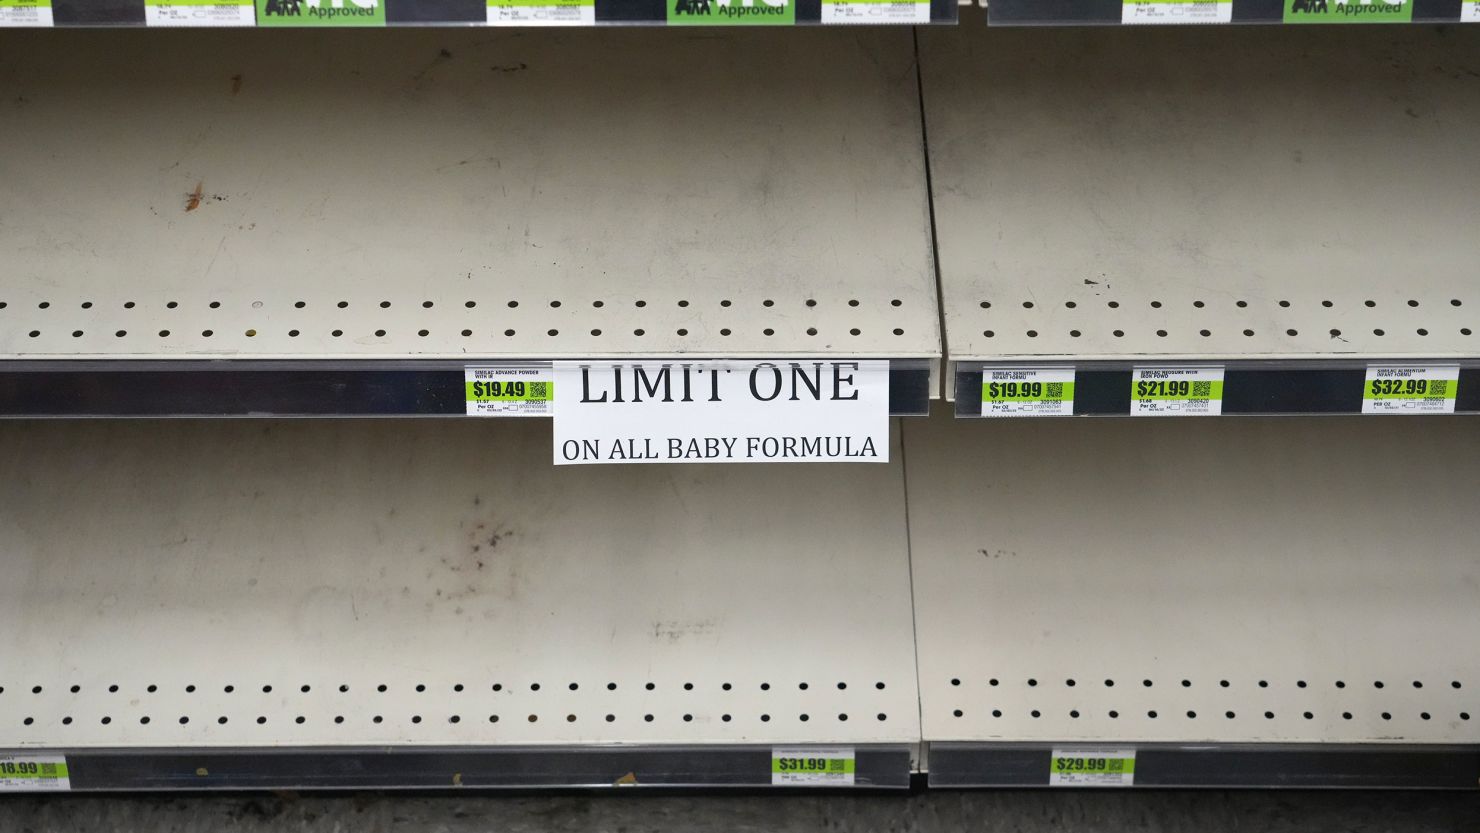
x: 1014, y: 390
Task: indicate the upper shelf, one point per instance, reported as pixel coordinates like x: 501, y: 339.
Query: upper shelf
x: 363, y: 13
x: 1181, y: 200
x: 1152, y: 12
x: 463, y: 197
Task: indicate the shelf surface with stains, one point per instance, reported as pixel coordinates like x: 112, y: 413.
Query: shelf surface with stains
x: 1180, y: 202
x: 435, y: 591
x: 320, y: 197
x: 1246, y: 601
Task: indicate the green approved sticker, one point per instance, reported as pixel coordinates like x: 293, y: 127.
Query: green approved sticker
x: 320, y: 13
x: 731, y: 12
x: 1348, y: 11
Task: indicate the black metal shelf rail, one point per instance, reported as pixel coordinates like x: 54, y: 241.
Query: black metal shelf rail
x: 1364, y: 766
x: 293, y: 388
x: 444, y: 12
x: 877, y: 767
x: 1249, y: 388
x: 1098, y: 12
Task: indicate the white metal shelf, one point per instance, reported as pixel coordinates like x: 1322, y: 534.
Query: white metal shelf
x: 458, y: 194
x: 1196, y: 583
x: 1190, y: 194
x: 229, y: 587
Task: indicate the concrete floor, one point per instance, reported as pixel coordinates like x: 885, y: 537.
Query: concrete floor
x: 1018, y: 812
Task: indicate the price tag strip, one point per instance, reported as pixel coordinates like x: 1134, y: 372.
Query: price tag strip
x: 1027, y: 391
x: 1176, y: 11
x: 875, y: 11
x: 1391, y: 389
x: 33, y: 773
x: 25, y: 12
x: 541, y: 12
x: 1177, y: 391
x: 509, y: 391
x: 1092, y: 766
x: 812, y: 766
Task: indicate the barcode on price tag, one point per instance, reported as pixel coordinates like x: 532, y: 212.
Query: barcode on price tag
x: 25, y: 13
x: 875, y: 11
x: 1176, y: 11
x: 1177, y: 391
x: 815, y: 766
x: 33, y: 773
x: 1027, y: 391
x: 1393, y: 389
x: 509, y: 391
x: 1092, y: 766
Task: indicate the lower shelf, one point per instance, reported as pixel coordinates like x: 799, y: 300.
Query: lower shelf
x: 1252, y: 601
x: 335, y: 603
x: 321, y: 604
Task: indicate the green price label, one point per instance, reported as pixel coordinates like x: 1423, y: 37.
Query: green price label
x: 38, y: 770
x: 821, y: 766
x: 510, y: 391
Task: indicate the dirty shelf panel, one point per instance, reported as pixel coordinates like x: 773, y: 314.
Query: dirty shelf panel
x: 437, y: 585
x: 464, y: 195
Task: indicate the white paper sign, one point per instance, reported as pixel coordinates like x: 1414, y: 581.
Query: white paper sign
x: 722, y: 412
x: 1469, y: 11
